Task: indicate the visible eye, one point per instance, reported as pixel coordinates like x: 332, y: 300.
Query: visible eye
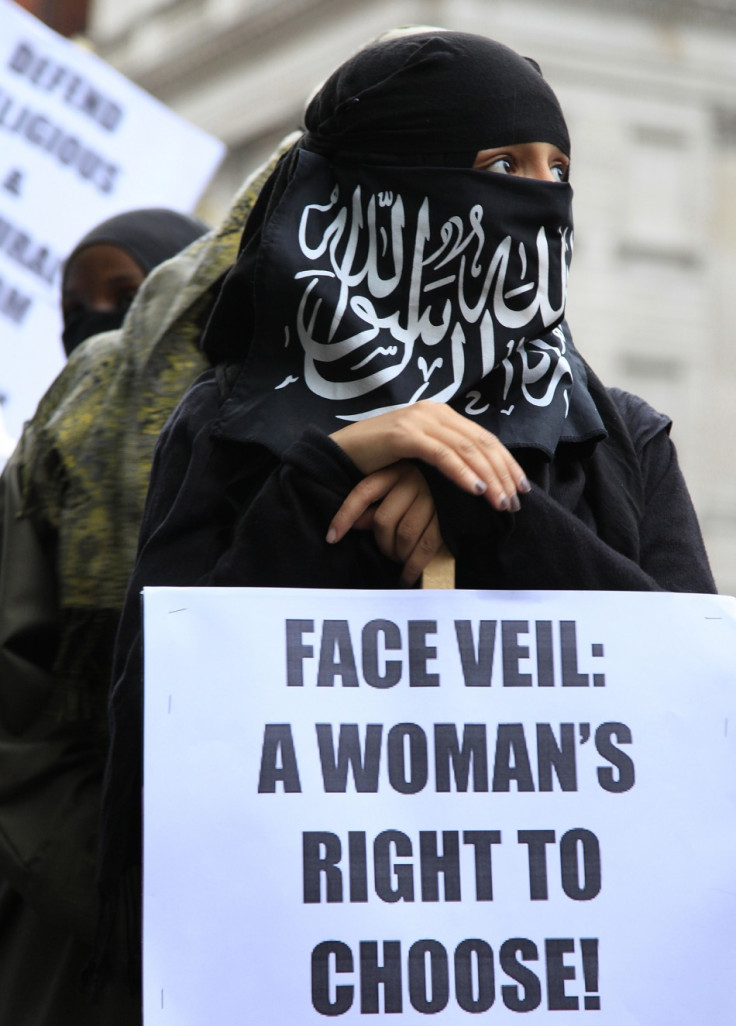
x: 501, y: 166
x: 541, y: 161
x: 124, y: 298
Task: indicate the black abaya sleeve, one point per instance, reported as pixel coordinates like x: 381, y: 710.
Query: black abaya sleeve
x: 549, y: 545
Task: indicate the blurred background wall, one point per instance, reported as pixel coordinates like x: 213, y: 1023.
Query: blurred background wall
x: 649, y: 91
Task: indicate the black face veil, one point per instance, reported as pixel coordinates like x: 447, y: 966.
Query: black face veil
x: 381, y: 269
x: 149, y: 236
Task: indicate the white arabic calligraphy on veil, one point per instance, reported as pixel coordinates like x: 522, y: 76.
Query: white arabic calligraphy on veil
x: 376, y: 282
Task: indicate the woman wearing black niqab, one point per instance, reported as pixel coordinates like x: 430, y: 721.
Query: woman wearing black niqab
x: 393, y: 333
x: 393, y: 271
x: 109, y: 264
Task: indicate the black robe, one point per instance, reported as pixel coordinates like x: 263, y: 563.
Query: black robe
x: 223, y: 513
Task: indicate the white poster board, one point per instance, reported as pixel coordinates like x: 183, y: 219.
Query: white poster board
x: 543, y: 826
x: 78, y: 144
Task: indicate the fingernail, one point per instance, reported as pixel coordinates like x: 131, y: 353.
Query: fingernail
x: 503, y: 501
x: 480, y: 487
x: 524, y: 485
x: 514, y: 504
x: 331, y: 535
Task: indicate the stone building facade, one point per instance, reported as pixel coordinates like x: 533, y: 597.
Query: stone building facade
x: 649, y: 91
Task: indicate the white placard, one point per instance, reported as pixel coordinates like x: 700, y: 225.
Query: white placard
x: 78, y: 143
x: 422, y: 806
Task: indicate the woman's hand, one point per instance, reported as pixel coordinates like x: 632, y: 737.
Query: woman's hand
x: 396, y: 504
x: 433, y: 432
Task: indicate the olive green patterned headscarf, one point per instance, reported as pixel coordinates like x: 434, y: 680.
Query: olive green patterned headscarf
x: 85, y: 457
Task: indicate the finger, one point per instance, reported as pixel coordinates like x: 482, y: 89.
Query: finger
x: 466, y: 453
x: 402, y: 515
x: 499, y: 476
x: 509, y: 473
x: 478, y: 462
x: 365, y: 520
x: 421, y: 555
x: 357, y: 504
x: 413, y: 526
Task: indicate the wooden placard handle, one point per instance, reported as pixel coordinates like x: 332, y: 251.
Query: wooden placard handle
x: 440, y: 571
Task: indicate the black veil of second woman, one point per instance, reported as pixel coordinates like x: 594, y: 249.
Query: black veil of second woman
x: 386, y: 164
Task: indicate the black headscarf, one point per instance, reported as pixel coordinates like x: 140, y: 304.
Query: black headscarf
x: 379, y: 268
x: 433, y: 98
x: 149, y: 237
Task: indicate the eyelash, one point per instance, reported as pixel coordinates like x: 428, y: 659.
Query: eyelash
x: 502, y: 160
x: 564, y: 169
